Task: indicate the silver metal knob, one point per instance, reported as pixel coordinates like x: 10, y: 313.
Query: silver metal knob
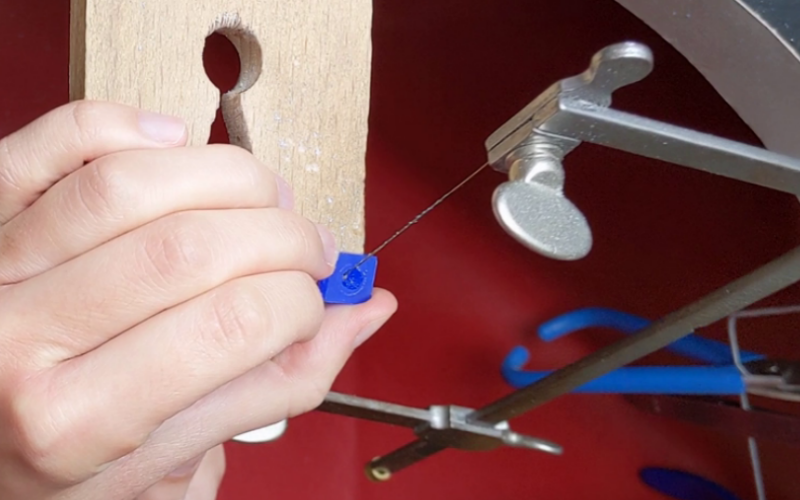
x: 531, y: 206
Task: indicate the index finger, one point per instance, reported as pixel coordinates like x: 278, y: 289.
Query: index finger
x: 63, y: 140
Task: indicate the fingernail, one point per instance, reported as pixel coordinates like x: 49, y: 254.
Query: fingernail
x: 329, y: 245
x: 162, y: 128
x: 285, y: 194
x: 188, y: 468
x: 369, y: 330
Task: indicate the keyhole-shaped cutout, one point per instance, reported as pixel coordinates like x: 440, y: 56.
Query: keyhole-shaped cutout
x: 222, y: 65
x: 232, y: 59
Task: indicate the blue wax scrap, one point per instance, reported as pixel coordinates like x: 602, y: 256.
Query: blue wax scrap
x: 349, y: 284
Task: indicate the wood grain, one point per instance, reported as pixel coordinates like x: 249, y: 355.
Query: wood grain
x: 302, y: 101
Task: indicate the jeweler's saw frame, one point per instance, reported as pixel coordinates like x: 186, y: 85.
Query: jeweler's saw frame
x: 532, y: 208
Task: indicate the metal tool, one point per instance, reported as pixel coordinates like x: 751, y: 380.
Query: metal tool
x: 444, y: 425
x: 754, y: 423
x: 736, y: 373
x: 778, y: 379
x: 531, y: 146
x: 744, y: 398
x: 744, y: 404
x: 722, y: 416
x: 749, y: 50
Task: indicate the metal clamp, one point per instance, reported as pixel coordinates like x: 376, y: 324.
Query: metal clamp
x: 445, y: 426
x: 531, y: 146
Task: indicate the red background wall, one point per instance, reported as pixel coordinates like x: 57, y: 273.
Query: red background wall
x: 446, y: 74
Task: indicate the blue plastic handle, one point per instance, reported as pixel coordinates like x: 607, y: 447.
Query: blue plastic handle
x: 692, y: 346
x: 352, y: 280
x: 682, y: 485
x: 692, y: 380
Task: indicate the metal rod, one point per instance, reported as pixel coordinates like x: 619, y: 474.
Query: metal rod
x: 768, y: 311
x: 744, y: 400
x: 681, y: 146
x: 378, y: 411
x: 761, y: 283
x: 415, y: 451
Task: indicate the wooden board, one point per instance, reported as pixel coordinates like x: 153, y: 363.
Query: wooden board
x: 301, y: 103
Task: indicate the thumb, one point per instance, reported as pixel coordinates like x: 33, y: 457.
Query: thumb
x: 198, y: 479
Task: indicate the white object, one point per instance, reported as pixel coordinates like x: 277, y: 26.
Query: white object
x: 263, y: 435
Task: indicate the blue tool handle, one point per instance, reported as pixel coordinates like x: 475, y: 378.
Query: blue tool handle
x: 682, y: 485
x: 692, y: 380
x: 352, y: 280
x: 692, y: 346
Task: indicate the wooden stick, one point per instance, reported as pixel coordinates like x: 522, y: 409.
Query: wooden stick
x: 301, y: 103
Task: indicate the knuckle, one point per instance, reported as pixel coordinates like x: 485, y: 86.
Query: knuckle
x: 310, y: 392
x: 84, y: 117
x: 15, y: 256
x: 241, y: 316
x: 78, y: 125
x: 315, y: 391
x: 45, y: 431
x: 9, y: 167
x: 263, y: 316
x: 301, y: 233
x: 181, y: 247
x: 102, y: 190
x: 36, y: 435
x: 238, y: 161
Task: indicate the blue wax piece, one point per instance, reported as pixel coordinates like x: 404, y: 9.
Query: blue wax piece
x: 349, y: 284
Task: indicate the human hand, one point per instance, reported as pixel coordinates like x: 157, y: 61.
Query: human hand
x: 156, y: 300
